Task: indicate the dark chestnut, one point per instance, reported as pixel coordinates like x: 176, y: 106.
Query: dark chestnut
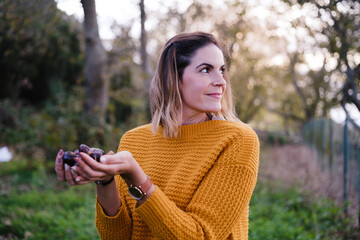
x: 95, y: 153
x: 69, y: 158
x: 85, y: 148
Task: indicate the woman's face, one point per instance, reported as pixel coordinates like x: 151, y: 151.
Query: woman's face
x: 203, y: 84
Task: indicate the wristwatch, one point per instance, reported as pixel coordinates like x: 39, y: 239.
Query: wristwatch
x: 139, y: 192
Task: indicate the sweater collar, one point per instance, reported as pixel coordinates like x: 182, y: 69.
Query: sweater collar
x: 188, y: 131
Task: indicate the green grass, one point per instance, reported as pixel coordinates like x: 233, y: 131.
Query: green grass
x: 277, y: 213
x: 34, y: 205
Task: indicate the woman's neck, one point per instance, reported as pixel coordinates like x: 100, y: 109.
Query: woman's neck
x: 198, y: 118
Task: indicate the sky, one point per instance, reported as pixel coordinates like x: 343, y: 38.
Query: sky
x: 127, y: 11
x: 108, y: 11
x: 121, y: 11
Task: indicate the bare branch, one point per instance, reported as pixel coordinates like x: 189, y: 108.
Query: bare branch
x: 348, y: 117
x: 293, y: 60
x: 357, y: 69
x: 286, y: 115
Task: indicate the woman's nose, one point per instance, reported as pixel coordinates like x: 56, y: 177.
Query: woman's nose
x: 219, y: 80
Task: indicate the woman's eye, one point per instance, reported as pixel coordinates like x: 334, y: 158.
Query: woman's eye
x: 222, y: 71
x: 205, y: 70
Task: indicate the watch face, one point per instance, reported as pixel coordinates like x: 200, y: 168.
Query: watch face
x: 136, y: 193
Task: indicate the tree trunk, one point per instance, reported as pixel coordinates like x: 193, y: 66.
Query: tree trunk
x: 97, y: 85
x: 143, y: 40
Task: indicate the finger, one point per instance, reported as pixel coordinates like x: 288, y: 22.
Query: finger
x: 74, y: 173
x: 68, y: 176
x: 79, y: 172
x: 59, y: 168
x: 91, y: 170
x: 92, y: 163
x: 120, y: 157
x: 86, y: 169
x: 81, y: 182
x: 110, y: 153
x: 82, y: 168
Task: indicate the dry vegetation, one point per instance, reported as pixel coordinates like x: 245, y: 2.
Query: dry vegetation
x: 296, y: 166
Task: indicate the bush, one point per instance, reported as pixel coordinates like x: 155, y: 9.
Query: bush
x: 39, y: 45
x: 39, y: 134
x: 277, y: 213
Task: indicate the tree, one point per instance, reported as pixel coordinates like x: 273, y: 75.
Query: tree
x: 40, y: 50
x: 312, y: 93
x: 96, y: 80
x: 342, y: 25
x: 143, y: 41
x: 125, y: 75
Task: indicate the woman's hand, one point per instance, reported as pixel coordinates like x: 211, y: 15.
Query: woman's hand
x: 121, y: 163
x: 64, y: 172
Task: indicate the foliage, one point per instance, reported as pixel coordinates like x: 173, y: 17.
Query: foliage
x: 39, y: 45
x: 38, y: 135
x: 340, y: 24
x: 266, y: 71
x: 128, y: 87
x: 277, y: 213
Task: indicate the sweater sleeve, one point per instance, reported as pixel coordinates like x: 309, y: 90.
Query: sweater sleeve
x: 219, y: 201
x: 116, y: 227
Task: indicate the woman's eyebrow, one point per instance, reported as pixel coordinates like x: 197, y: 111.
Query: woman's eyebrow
x: 205, y: 64
x: 209, y: 65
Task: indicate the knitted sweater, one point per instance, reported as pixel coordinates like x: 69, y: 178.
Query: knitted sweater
x: 204, y: 181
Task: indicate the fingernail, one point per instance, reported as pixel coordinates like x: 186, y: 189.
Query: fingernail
x: 61, y: 152
x: 77, y: 179
x: 103, y: 159
x: 67, y: 167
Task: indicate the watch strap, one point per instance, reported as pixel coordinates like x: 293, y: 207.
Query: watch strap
x: 104, y: 183
x: 144, y: 187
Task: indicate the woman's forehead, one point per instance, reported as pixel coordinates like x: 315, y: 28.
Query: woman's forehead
x: 210, y: 54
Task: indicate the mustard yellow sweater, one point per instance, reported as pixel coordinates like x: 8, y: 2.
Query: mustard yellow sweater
x: 204, y: 181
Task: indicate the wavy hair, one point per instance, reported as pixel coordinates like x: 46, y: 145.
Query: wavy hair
x: 165, y: 96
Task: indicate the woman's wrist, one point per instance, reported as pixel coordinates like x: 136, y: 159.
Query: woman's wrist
x: 108, y: 198
x: 148, y: 194
x: 136, y: 175
x: 106, y: 182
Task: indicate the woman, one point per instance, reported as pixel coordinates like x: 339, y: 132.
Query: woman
x: 190, y: 173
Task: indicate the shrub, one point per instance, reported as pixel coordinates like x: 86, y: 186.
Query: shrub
x: 39, y: 133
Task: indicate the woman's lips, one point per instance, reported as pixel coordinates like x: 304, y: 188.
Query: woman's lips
x: 215, y: 95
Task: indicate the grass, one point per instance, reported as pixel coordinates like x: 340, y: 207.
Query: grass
x: 278, y: 213
x: 34, y: 205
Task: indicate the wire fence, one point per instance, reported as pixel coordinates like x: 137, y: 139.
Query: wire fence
x: 336, y: 148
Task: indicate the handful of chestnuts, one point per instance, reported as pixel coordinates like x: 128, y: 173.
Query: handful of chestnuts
x: 69, y: 156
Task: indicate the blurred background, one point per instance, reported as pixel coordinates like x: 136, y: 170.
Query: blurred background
x: 72, y: 72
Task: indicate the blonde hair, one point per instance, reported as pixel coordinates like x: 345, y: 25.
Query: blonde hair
x: 165, y: 96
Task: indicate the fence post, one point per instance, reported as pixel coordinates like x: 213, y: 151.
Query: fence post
x: 345, y: 146
x: 313, y: 141
x: 323, y: 144
x: 331, y: 145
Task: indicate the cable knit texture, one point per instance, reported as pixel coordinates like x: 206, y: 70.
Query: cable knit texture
x: 204, y: 181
